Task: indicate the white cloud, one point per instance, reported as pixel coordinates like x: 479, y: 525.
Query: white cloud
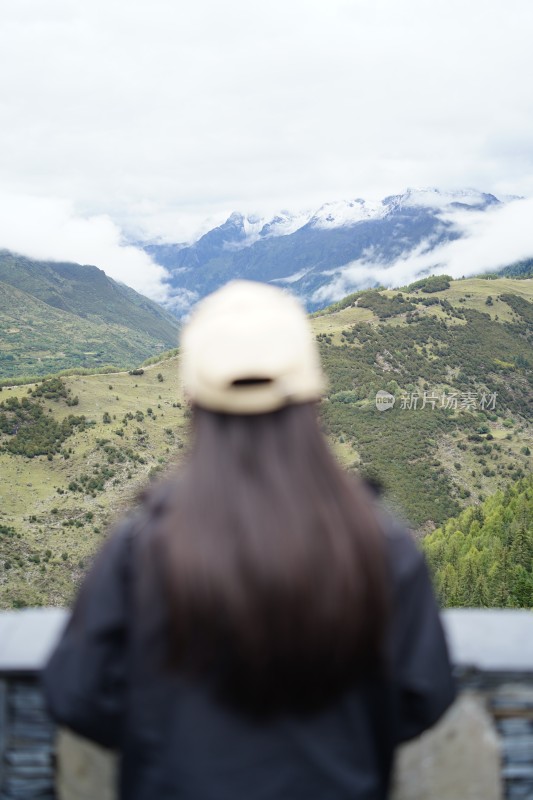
x: 181, y: 301
x: 160, y: 114
x: 48, y: 228
x: 490, y: 239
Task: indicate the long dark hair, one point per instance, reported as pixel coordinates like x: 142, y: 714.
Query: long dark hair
x: 271, y: 561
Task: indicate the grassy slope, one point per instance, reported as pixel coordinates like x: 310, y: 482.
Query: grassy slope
x: 415, y: 453
x: 87, y: 291
x: 39, y: 339
x: 29, y: 486
x: 57, y: 316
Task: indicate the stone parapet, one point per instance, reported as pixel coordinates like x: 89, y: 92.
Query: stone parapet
x: 482, y: 749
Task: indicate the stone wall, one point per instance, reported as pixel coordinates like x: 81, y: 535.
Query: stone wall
x: 482, y: 749
x: 27, y: 735
x: 27, y: 742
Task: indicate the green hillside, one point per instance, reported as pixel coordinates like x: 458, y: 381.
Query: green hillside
x: 484, y: 557
x: 74, y: 452
x: 64, y: 479
x: 57, y: 316
x: 466, y: 342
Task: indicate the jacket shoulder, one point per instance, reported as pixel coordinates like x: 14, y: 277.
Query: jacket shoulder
x: 402, y: 550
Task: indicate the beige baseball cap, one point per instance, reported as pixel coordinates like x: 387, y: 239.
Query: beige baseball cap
x: 248, y: 348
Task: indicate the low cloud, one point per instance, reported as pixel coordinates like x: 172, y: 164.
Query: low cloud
x: 50, y: 229
x: 490, y: 239
x: 181, y: 301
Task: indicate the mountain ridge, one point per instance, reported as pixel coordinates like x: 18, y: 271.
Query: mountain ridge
x: 304, y: 250
x: 58, y: 315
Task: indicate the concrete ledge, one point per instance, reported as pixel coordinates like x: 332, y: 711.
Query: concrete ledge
x: 490, y: 640
x: 482, y: 749
x: 28, y: 636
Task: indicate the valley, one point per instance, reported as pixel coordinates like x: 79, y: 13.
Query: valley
x: 75, y: 451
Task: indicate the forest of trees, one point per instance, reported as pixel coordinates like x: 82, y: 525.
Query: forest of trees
x: 484, y: 557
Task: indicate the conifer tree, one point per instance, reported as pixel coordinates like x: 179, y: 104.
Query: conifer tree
x: 484, y: 557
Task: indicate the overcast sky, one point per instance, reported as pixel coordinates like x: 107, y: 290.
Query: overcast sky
x: 155, y: 117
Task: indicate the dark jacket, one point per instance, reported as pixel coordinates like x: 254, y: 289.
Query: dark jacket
x: 177, y: 742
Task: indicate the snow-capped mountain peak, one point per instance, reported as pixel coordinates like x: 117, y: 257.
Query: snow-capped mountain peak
x: 285, y: 222
x: 325, y: 253
x: 342, y: 213
x: 244, y: 230
x: 437, y: 199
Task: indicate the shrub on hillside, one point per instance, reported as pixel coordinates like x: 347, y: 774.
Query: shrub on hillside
x: 434, y: 283
x: 32, y: 432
